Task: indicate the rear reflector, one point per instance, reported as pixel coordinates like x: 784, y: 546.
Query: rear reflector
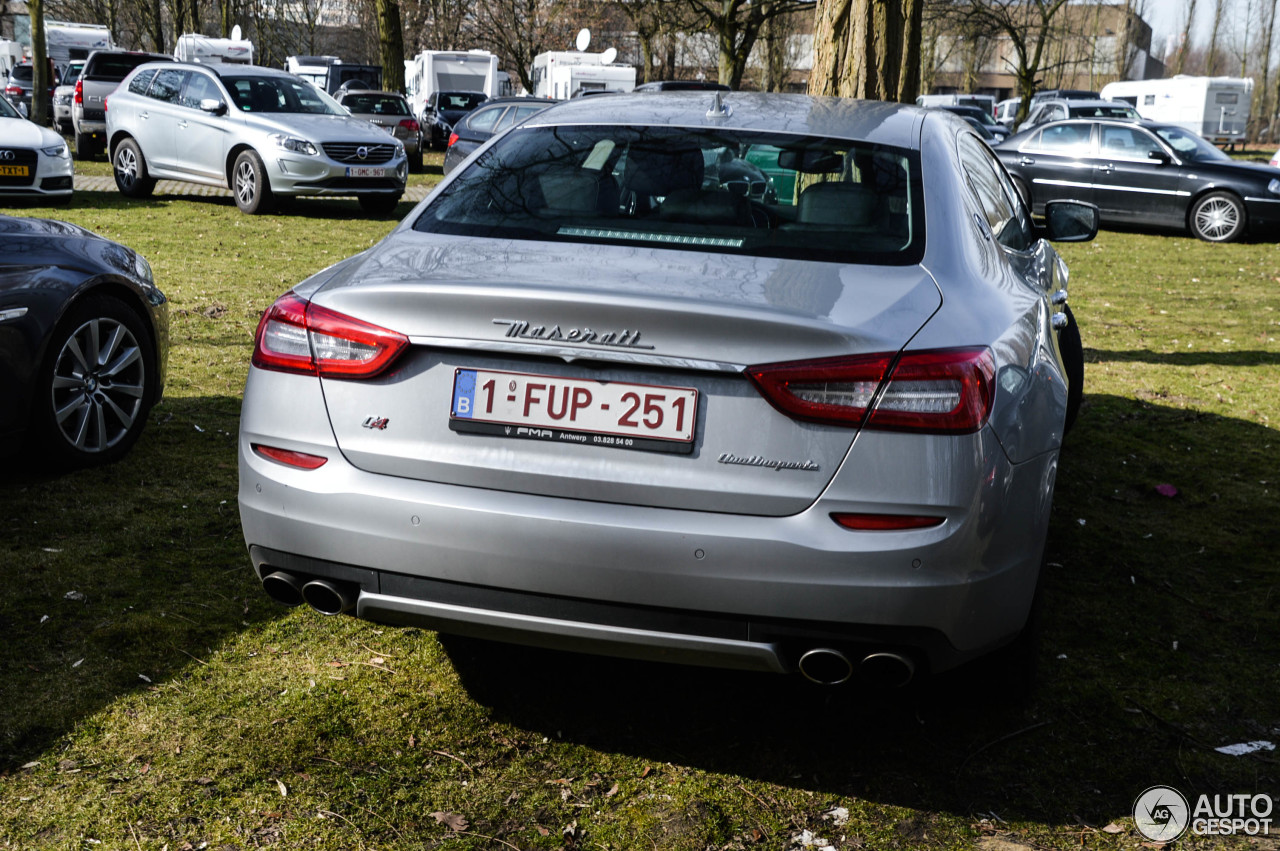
x: 288, y: 457
x: 945, y: 391
x: 886, y: 522
x: 453, y: 137
x: 298, y: 336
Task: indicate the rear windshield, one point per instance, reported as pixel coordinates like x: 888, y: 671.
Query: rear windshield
x: 732, y: 192
x: 114, y: 67
x: 376, y: 104
x: 461, y: 100
x: 23, y: 73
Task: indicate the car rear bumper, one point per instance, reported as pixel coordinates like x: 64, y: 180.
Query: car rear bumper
x: 692, y: 586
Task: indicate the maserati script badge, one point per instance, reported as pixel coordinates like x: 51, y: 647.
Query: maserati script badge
x: 624, y: 339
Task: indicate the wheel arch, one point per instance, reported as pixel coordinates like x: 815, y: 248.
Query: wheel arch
x: 234, y: 154
x: 114, y: 141
x: 135, y: 301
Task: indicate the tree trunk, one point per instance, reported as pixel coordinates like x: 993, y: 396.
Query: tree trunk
x: 867, y: 49
x: 390, y: 45
x: 39, y: 65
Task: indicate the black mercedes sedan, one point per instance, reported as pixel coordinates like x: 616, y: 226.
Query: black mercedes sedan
x: 1144, y: 173
x: 84, y: 338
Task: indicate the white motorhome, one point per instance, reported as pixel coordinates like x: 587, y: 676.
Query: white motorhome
x: 563, y: 74
x: 65, y: 41
x: 192, y: 47
x: 1215, y: 107
x: 986, y: 102
x: 10, y: 55
x: 449, y: 71
x: 313, y: 69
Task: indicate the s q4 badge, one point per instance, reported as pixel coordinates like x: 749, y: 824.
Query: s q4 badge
x: 380, y: 423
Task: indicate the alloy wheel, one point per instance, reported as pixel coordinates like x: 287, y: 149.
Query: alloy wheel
x: 99, y: 385
x: 246, y: 183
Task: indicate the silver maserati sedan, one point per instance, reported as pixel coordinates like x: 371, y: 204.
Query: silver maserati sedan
x: 586, y: 396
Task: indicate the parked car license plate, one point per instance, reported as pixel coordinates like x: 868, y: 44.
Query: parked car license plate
x: 366, y: 171
x: 569, y: 410
x: 13, y: 171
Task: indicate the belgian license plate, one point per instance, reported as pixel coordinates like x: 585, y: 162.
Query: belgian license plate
x: 568, y: 410
x: 366, y: 171
x: 13, y: 171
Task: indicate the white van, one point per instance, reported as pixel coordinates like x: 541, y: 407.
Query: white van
x: 1217, y: 108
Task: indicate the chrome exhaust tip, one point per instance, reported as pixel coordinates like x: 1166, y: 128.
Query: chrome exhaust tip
x: 888, y: 669
x: 284, y: 588
x: 825, y: 666
x: 328, y: 598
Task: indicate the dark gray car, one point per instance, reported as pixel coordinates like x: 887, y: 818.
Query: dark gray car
x: 487, y: 121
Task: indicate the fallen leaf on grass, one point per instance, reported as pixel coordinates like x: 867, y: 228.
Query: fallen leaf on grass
x: 1113, y: 828
x: 1166, y: 490
x: 542, y: 831
x: 1246, y: 747
x: 336, y: 664
x: 284, y: 790
x: 453, y: 821
x: 613, y: 790
x: 73, y: 595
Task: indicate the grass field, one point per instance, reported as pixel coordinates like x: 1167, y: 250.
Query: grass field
x: 152, y: 697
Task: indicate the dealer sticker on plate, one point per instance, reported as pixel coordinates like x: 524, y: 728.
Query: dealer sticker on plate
x: 569, y: 410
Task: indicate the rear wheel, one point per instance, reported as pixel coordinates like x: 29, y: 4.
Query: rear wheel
x: 97, y: 384
x: 86, y: 149
x: 415, y: 159
x: 1217, y: 217
x: 250, y: 185
x: 379, y: 205
x: 130, y: 169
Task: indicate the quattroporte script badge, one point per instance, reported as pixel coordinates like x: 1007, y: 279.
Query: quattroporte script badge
x: 771, y: 463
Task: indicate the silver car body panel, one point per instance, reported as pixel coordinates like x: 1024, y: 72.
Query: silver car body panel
x: 621, y: 527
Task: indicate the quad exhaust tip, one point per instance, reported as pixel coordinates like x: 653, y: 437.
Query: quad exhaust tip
x: 827, y: 666
x: 328, y: 598
x: 284, y: 588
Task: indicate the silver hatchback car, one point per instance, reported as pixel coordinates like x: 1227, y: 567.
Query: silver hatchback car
x: 260, y: 132
x: 589, y: 396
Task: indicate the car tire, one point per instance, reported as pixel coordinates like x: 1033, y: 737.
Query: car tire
x: 85, y: 147
x: 1072, y: 349
x: 130, y: 170
x: 379, y: 205
x: 1217, y: 217
x: 250, y: 185
x: 96, y: 385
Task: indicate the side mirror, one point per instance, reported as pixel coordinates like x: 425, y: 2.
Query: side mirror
x: 1159, y: 156
x: 1070, y: 221
x: 213, y: 106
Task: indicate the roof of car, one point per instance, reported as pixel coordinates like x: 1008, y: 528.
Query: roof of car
x: 346, y: 92
x: 876, y: 121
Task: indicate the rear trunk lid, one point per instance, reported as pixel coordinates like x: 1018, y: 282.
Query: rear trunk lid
x: 520, y: 328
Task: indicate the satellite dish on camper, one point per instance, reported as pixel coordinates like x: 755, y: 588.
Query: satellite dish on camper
x: 608, y: 56
x: 584, y: 39
x: 235, y: 33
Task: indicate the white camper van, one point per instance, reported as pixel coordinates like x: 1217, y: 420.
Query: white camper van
x: 10, y: 55
x: 201, y: 48
x: 65, y: 41
x: 563, y: 74
x: 313, y: 69
x: 1215, y: 107
x: 449, y: 71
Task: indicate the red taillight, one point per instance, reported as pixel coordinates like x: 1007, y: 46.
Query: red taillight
x: 287, y: 456
x: 453, y: 137
x: 947, y: 391
x: 886, y: 522
x: 13, y: 90
x: 298, y: 336
x: 410, y: 125
x: 79, y: 98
